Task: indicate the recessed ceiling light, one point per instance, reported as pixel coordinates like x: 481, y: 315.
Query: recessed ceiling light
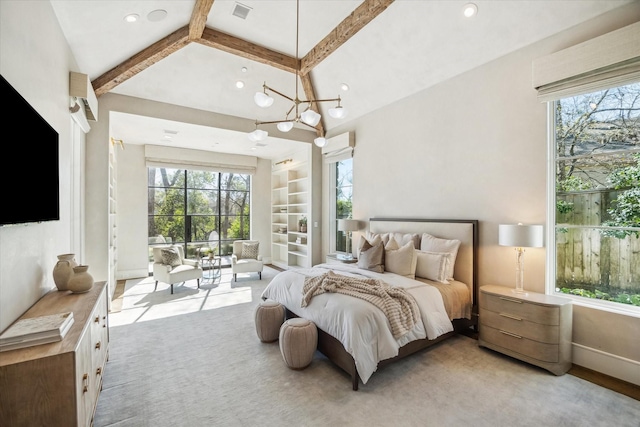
x: 344, y: 86
x: 239, y: 84
x: 243, y: 69
x: 470, y: 10
x: 132, y: 17
x: 157, y: 15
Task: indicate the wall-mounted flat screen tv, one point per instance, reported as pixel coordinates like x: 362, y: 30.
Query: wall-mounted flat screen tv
x: 31, y: 188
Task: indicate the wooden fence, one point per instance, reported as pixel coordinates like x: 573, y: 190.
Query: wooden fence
x: 585, y: 258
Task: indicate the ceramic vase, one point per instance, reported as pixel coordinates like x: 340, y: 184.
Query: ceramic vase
x: 81, y: 281
x: 63, y: 270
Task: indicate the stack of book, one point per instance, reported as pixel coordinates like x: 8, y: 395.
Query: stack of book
x: 36, y: 330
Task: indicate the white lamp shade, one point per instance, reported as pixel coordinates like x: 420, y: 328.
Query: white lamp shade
x: 320, y: 141
x: 348, y: 225
x: 310, y: 117
x: 263, y: 100
x: 258, y: 135
x: 521, y: 236
x: 338, y: 112
x: 285, y: 126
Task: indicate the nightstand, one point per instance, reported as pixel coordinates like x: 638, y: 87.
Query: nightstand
x: 532, y: 327
x: 340, y: 259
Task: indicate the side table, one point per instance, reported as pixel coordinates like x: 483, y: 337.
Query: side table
x: 213, y: 264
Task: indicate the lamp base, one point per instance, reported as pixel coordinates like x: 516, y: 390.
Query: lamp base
x: 520, y: 292
x: 346, y: 256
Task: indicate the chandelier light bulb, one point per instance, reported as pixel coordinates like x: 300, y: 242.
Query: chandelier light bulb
x: 320, y: 141
x: 310, y: 117
x: 263, y: 100
x: 338, y: 112
x: 258, y: 135
x: 470, y: 10
x: 285, y: 126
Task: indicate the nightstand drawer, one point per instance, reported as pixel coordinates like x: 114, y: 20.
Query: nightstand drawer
x: 546, y: 315
x: 518, y: 326
x: 544, y: 352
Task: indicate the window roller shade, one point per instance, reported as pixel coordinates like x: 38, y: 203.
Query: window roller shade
x: 610, y: 60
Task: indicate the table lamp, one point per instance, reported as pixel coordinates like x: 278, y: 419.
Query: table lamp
x: 520, y: 236
x: 348, y: 225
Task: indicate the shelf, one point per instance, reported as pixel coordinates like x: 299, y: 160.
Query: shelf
x: 291, y: 181
x: 298, y: 253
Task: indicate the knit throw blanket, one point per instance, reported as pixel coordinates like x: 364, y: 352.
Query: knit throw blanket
x: 396, y: 303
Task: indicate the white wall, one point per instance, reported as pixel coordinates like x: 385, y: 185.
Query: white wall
x: 475, y: 147
x: 35, y: 59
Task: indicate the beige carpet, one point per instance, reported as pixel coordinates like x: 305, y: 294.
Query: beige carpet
x: 193, y: 359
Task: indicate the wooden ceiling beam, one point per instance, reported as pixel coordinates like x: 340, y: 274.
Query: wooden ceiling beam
x: 140, y: 61
x: 346, y: 29
x: 199, y: 18
x: 245, y: 49
x: 307, y: 86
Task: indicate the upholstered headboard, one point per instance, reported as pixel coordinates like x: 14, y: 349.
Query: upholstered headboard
x: 464, y: 230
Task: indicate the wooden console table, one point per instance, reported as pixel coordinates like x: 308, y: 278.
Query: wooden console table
x: 58, y: 384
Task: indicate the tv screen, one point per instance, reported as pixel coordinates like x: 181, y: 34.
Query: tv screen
x: 30, y: 190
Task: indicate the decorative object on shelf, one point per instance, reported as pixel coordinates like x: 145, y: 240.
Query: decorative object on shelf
x: 63, y: 270
x: 81, y: 281
x: 303, y: 224
x: 308, y: 117
x: 282, y: 230
x: 348, y: 225
x: 520, y: 236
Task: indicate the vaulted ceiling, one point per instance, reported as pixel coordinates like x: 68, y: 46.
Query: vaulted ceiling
x: 384, y: 50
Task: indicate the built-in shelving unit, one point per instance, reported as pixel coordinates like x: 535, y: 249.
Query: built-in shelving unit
x: 113, y: 210
x: 291, y: 200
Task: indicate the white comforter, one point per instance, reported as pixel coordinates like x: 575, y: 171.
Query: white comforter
x: 360, y: 326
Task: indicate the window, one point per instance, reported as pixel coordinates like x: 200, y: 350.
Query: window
x: 185, y: 206
x: 596, y: 149
x: 343, y: 199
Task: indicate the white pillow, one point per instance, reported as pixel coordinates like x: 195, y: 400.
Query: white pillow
x: 433, y: 266
x: 400, y: 260
x: 384, y: 237
x: 434, y: 244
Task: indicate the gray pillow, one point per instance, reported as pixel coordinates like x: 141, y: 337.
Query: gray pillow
x: 171, y: 256
x: 371, y: 257
x: 249, y: 250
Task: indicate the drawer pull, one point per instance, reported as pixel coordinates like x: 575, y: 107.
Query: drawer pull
x: 510, y: 316
x: 97, y: 319
x: 510, y: 334
x: 85, y: 383
x: 98, y: 345
x: 511, y: 300
x: 98, y: 371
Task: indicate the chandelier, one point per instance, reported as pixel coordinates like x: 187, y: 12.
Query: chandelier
x: 301, y: 111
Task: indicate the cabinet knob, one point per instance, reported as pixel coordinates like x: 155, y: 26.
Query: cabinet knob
x: 85, y: 383
x: 98, y: 345
x: 98, y: 371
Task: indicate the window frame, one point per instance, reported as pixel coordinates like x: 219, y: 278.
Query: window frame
x: 550, y: 288
x: 333, y: 220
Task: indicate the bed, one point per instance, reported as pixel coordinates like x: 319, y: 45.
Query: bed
x: 358, y: 336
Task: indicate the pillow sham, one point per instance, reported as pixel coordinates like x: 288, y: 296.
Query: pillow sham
x: 431, y: 243
x: 400, y: 259
x: 371, y: 257
x: 432, y: 266
x: 372, y: 241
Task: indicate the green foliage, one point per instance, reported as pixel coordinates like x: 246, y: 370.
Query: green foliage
x: 623, y: 298
x: 564, y: 207
x: 625, y: 210
x: 303, y: 221
x: 572, y: 183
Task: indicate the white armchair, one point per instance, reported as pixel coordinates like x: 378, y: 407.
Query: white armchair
x: 170, y: 266
x: 245, y: 258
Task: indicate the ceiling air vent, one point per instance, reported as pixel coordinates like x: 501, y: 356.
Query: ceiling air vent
x: 241, y: 11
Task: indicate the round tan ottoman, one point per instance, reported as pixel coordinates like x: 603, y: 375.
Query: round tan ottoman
x: 298, y: 342
x: 269, y: 316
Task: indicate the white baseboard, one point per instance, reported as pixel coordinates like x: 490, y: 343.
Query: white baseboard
x: 606, y: 363
x: 131, y: 274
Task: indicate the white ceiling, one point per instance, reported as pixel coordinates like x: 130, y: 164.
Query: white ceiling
x: 412, y: 45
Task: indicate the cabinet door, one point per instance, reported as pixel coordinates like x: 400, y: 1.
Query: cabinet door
x: 84, y: 379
